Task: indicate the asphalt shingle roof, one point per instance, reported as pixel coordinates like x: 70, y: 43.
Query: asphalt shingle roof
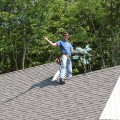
x: 29, y: 94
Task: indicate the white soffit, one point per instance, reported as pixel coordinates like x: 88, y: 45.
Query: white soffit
x: 112, y: 108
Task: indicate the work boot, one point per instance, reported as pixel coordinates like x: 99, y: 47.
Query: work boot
x: 61, y: 81
x: 67, y: 78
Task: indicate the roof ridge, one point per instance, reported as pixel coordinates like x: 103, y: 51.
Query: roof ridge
x: 28, y: 68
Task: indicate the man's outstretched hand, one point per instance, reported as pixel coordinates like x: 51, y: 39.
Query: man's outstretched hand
x: 45, y: 38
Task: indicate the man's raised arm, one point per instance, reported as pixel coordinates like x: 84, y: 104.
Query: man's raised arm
x: 50, y: 42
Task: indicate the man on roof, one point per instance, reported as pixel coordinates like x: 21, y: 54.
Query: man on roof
x: 66, y: 50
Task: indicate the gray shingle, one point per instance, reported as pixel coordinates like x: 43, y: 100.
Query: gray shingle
x: 29, y: 94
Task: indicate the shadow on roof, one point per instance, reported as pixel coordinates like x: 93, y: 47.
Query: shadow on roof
x: 42, y: 84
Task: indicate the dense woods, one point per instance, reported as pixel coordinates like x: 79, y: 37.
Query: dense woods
x: 23, y: 23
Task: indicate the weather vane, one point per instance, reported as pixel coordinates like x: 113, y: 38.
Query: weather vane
x: 82, y: 55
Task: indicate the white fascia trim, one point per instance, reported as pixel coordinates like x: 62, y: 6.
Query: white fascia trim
x: 112, y: 108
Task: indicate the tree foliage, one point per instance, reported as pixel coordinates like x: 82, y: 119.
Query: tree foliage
x: 24, y: 23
